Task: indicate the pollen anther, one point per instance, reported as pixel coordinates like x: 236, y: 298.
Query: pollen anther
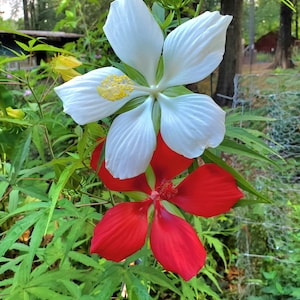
x: 115, y: 87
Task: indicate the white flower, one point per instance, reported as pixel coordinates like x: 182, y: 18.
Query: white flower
x: 188, y: 123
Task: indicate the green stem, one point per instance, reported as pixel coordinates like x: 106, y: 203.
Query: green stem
x: 198, y: 9
x: 178, y: 16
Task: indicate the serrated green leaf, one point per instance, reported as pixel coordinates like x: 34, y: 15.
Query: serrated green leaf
x: 204, y: 288
x: 211, y: 273
x: 22, y: 275
x: 57, y: 188
x: 156, y: 276
x: 32, y: 206
x: 135, y: 289
x: 84, y: 259
x: 10, y: 263
x: 73, y: 288
x: 218, y: 246
x: 37, y: 235
x: 110, y: 281
x: 75, y: 232
x: 45, y: 293
x: 18, y: 229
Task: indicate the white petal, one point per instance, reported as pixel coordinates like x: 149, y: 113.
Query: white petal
x: 191, y: 123
x: 135, y: 36
x: 130, y: 142
x: 82, y: 101
x: 194, y: 49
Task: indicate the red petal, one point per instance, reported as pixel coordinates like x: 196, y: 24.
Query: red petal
x: 138, y: 183
x: 207, y: 192
x: 176, y: 245
x: 166, y: 163
x: 122, y: 231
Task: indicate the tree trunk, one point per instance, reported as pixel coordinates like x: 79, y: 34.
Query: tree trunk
x: 231, y: 63
x: 26, y: 16
x: 282, y: 57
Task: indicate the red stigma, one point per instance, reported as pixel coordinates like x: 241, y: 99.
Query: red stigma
x: 166, y: 190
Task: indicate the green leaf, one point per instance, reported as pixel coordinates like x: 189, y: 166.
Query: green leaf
x: 110, y: 281
x: 18, y: 57
x: 3, y: 187
x: 23, y: 123
x: 289, y: 4
x: 13, y: 200
x: 204, y: 288
x: 232, y: 118
x: 251, y: 140
x: 56, y: 189
x: 155, y: 276
x: 72, y: 288
x: 20, y: 154
x: 168, y: 20
x: 37, y: 236
x: 135, y: 289
x: 158, y: 13
x: 131, y: 73
x: 38, y: 138
x: 32, y: 206
x: 211, y: 273
x: 18, y: 229
x: 233, y: 147
x: 84, y: 259
x: 45, y: 47
x: 23, y: 46
x: 177, y: 91
x: 219, y: 247
x: 45, y: 293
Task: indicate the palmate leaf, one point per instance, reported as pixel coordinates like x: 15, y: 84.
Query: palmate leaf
x: 155, y: 276
x: 45, y: 293
x: 109, y: 281
x: 135, y: 288
x: 218, y: 246
x: 57, y: 188
x: 18, y: 229
x: 32, y: 206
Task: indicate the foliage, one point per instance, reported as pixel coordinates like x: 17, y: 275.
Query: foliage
x: 50, y: 199
x: 268, y: 238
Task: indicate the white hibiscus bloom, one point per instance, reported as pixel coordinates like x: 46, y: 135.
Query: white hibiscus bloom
x: 188, y: 123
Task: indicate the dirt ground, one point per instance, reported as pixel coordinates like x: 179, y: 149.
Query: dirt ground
x: 258, y: 68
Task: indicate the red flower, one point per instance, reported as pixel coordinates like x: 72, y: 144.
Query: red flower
x: 206, y: 192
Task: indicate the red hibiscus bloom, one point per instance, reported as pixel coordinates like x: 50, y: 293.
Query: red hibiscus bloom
x: 206, y: 192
